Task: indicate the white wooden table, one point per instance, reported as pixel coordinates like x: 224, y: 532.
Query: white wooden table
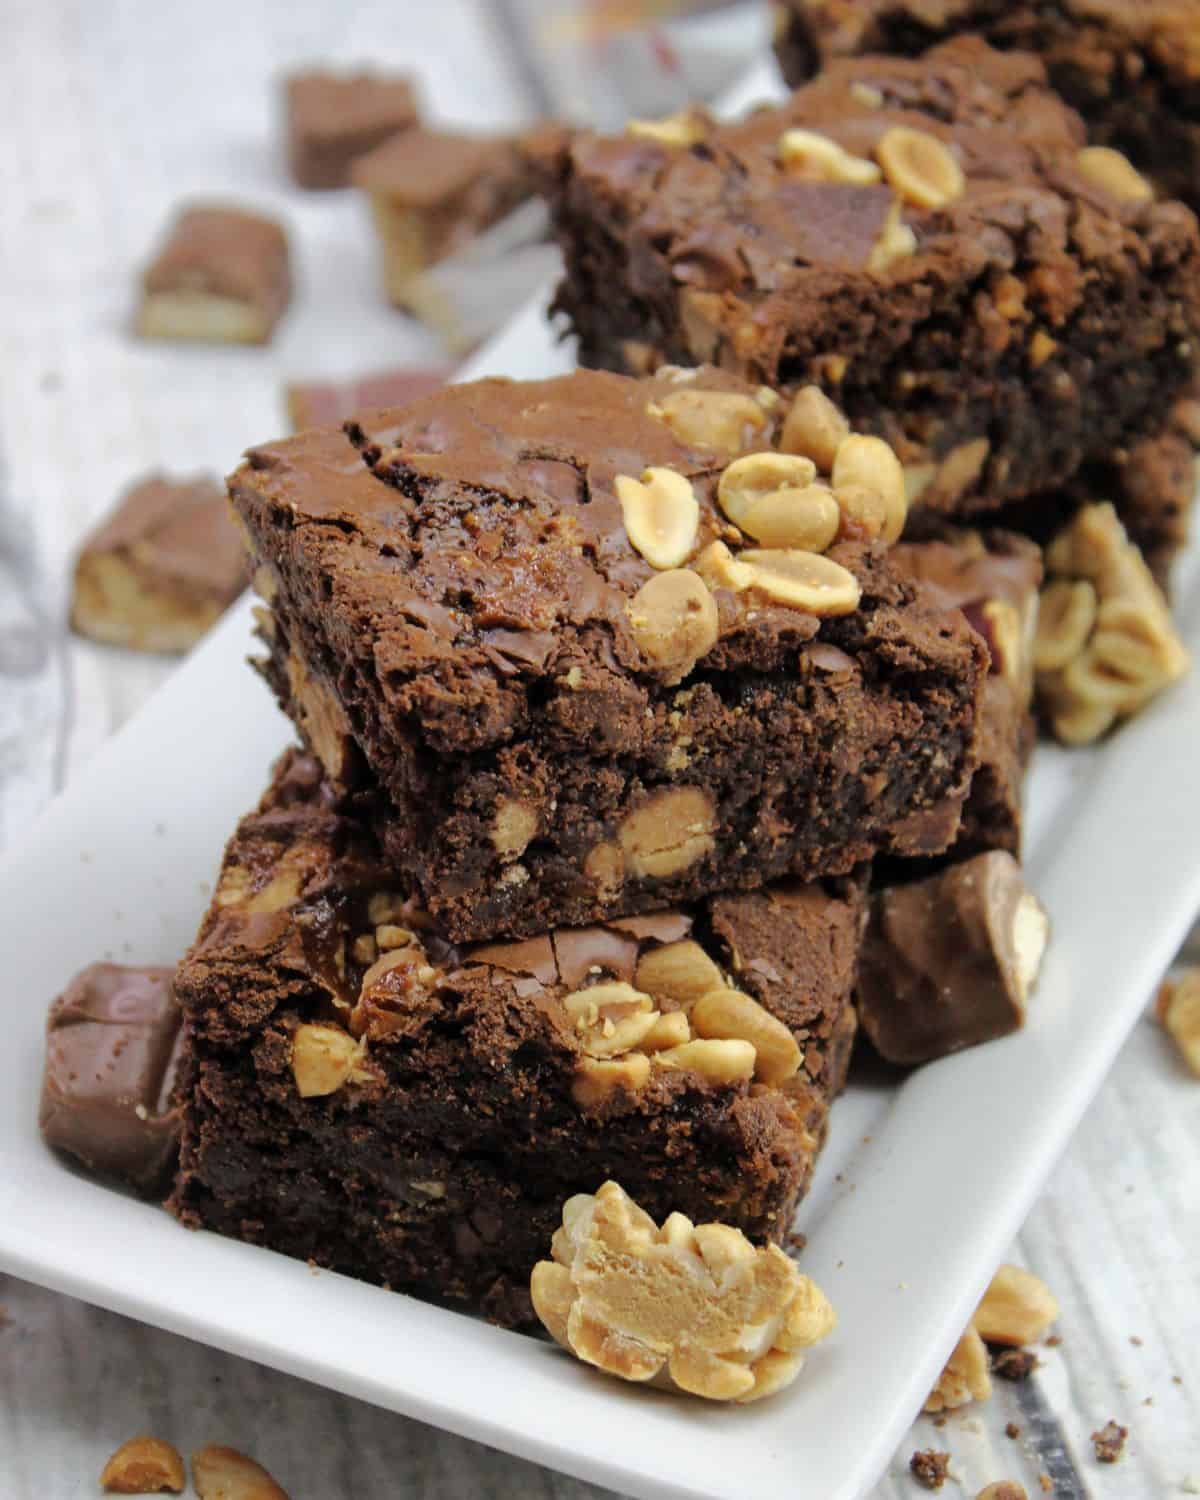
x: 109, y: 113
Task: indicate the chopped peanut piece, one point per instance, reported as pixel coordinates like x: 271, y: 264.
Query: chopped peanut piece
x: 758, y: 475
x: 718, y: 1061
x: 225, y: 1474
x: 1178, y: 1008
x: 681, y: 971
x: 870, y: 462
x: 806, y: 519
x: 803, y: 580
x: 920, y: 167
x: 730, y: 1014
x: 965, y: 1377
x: 682, y: 129
x: 814, y: 428
x: 725, y: 421
x: 817, y: 158
x: 1017, y: 1308
x: 1115, y: 173
x: 144, y: 1466
x: 674, y: 621
x: 323, y: 1058
x: 661, y: 514
x: 694, y: 1308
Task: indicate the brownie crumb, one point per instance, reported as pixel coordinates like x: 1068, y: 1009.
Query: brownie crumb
x: 1054, y: 1340
x: 797, y: 1241
x: 1014, y: 1364
x: 930, y: 1468
x: 1109, y: 1441
x: 1135, y: 1341
x: 1012, y: 1430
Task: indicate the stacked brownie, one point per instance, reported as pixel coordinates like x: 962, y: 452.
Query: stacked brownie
x: 1131, y: 67
x: 931, y: 242
x: 570, y: 882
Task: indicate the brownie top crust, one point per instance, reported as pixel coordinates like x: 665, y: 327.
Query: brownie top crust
x: 473, y: 545
x: 770, y: 260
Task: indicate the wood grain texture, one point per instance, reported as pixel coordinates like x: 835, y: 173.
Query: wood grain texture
x: 109, y: 114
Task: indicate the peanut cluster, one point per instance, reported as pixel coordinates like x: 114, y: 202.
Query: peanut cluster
x: 692, y: 1307
x: 784, y: 510
x: 679, y: 1014
x: 1105, y: 642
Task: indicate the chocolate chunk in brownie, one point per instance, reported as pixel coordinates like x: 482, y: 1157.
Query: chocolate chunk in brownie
x: 159, y: 570
x: 1130, y: 67
x: 576, y: 699
x: 332, y: 119
x: 360, y: 1092
x: 112, y: 1055
x: 949, y: 961
x: 923, y: 239
x: 221, y: 277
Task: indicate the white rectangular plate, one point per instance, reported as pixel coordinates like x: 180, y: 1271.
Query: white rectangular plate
x: 935, y: 1174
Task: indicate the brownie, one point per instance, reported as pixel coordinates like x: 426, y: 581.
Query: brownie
x: 994, y: 578
x: 112, y: 1058
x: 973, y: 294
x: 462, y: 626
x: 432, y: 191
x: 222, y: 276
x: 161, y: 569
x: 1130, y: 67
x: 361, y: 1093
x: 332, y: 119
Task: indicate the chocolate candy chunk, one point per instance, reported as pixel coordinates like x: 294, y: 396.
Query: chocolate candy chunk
x: 326, y: 403
x: 161, y: 569
x: 222, y: 277
x: 112, y: 1051
x: 431, y: 191
x: 949, y: 961
x: 331, y: 120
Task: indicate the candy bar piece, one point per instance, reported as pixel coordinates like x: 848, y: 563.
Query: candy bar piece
x: 112, y: 1057
x: 221, y: 277
x: 333, y: 118
x: 949, y: 961
x: 431, y: 192
x: 526, y: 618
x: 327, y: 403
x: 993, y: 577
x: 161, y: 569
x: 367, y: 1095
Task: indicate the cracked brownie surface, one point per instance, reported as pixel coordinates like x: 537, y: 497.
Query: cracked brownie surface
x: 449, y: 626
